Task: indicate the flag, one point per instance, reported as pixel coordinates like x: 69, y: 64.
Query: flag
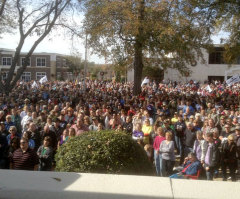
x: 34, y: 85
x: 208, y: 88
x: 43, y: 80
x: 145, y: 81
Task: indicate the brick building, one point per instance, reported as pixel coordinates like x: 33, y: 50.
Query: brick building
x: 52, y: 65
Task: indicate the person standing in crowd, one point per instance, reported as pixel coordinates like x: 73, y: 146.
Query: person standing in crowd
x: 179, y: 137
x: 189, y: 138
x: 35, y: 135
x: 229, y: 158
x: 80, y: 127
x: 13, y: 133
x: 15, y: 117
x: 3, y: 147
x: 24, y: 158
x: 45, y: 154
x: 128, y: 126
x: 198, y: 143
x: 3, y: 130
x: 156, y: 145
x: 167, y: 152
x: 224, y: 135
x: 8, y: 123
x: 47, y: 132
x: 211, y: 156
x: 147, y: 130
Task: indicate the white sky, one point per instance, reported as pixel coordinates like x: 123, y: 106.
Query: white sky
x: 63, y: 45
x: 55, y: 44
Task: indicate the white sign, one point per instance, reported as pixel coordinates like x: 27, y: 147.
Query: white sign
x: 234, y: 79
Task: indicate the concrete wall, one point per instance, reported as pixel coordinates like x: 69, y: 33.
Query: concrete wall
x: 51, y: 185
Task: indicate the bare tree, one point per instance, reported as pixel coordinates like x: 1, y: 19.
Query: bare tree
x: 2, y: 6
x: 38, y: 18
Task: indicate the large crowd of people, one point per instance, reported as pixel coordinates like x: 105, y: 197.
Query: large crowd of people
x: 199, y: 124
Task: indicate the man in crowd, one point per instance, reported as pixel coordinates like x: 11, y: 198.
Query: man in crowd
x: 24, y: 158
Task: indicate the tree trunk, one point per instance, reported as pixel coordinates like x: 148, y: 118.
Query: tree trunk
x: 138, y: 48
x: 138, y: 67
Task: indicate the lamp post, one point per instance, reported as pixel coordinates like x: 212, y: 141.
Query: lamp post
x: 85, y: 65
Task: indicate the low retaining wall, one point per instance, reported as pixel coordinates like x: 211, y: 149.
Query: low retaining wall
x: 51, y: 185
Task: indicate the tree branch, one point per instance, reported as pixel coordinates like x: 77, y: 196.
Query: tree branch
x: 57, y: 12
x: 2, y: 8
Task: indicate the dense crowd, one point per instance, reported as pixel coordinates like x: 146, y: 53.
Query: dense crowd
x: 199, y: 123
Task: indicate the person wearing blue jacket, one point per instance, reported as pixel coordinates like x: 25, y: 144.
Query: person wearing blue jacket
x: 191, y: 167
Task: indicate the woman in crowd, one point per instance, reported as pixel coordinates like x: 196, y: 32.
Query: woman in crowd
x: 156, y: 145
x: 63, y: 137
x: 167, y: 152
x: 137, y: 132
x: 45, y: 154
x: 147, y: 130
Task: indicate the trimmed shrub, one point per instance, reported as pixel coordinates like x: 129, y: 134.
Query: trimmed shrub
x: 103, y: 152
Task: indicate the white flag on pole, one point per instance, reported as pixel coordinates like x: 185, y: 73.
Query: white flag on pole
x: 43, y: 80
x: 145, y: 81
x: 208, y: 88
x: 34, y: 85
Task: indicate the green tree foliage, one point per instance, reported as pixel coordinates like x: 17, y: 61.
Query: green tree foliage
x: 153, y: 72
x: 74, y: 63
x: 103, y: 152
x: 228, y: 21
x: 173, y: 32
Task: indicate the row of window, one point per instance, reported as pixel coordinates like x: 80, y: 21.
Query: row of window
x: 40, y: 61
x: 26, y: 76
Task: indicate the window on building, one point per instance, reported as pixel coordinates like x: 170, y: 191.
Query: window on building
x: 40, y: 75
x: 6, y: 61
x: 216, y: 57
x: 26, y: 76
x: 23, y: 60
x: 41, y: 62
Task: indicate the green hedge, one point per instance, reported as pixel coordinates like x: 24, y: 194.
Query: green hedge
x: 103, y: 152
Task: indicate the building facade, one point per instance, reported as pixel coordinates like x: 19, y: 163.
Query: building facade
x: 40, y: 64
x: 214, y: 68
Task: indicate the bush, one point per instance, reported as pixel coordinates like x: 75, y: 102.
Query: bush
x: 103, y: 152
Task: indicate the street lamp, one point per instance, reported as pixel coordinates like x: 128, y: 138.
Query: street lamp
x: 85, y: 64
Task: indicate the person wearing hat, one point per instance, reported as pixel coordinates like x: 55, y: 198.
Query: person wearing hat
x: 26, y: 101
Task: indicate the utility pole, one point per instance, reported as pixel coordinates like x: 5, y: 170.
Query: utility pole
x: 85, y: 65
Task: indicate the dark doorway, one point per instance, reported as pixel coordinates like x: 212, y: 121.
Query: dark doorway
x: 214, y: 78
